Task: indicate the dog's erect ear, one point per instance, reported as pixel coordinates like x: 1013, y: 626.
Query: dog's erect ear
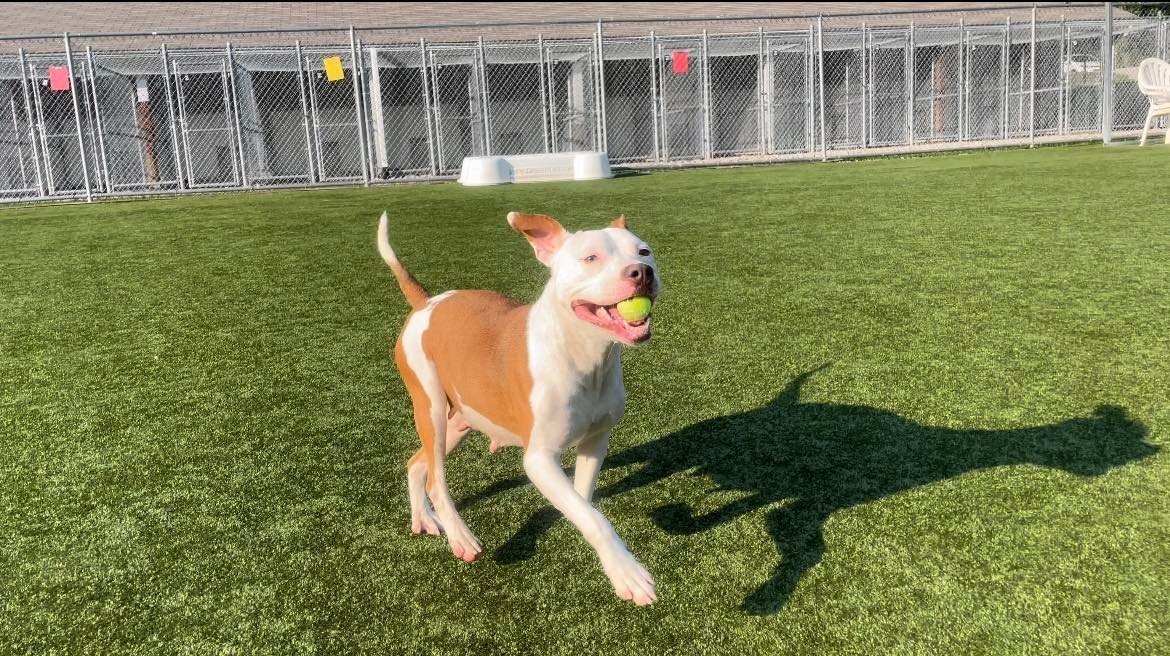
x: 619, y: 222
x: 544, y: 233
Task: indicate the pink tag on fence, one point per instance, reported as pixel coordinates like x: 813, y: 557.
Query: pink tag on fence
x: 681, y: 62
x: 58, y: 78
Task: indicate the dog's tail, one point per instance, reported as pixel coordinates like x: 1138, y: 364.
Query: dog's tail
x: 411, y: 289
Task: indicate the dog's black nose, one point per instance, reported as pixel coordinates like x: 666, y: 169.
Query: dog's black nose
x: 639, y: 273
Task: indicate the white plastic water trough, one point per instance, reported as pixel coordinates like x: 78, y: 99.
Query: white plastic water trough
x: 544, y: 167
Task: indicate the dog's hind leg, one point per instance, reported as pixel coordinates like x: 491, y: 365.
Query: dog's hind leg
x: 432, y: 427
x: 422, y: 516
x: 431, y: 420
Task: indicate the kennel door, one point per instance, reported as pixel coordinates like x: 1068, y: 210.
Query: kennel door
x: 682, y: 81
x: 457, y: 104
x: 206, y: 130
x: 788, y: 75
x: 572, y: 90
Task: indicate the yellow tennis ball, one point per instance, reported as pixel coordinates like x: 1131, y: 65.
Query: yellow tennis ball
x: 635, y: 309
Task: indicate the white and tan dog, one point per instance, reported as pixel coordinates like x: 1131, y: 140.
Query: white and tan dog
x: 545, y: 377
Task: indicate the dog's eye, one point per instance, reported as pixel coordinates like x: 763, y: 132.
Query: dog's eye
x: 590, y: 259
x: 644, y: 252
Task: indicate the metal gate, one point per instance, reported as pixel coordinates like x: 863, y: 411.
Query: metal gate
x: 790, y: 106
x: 57, y: 128
x: 1049, y: 91
x: 401, y: 128
x: 734, y: 95
x: 1019, y: 83
x: 132, y: 109
x: 273, y: 116
x: 337, y: 139
x: 682, y: 89
x: 1133, y: 41
x: 936, y: 85
x: 844, y: 90
x: 516, y: 103
x: 986, y: 83
x: 572, y: 92
x: 206, y: 124
x: 458, y: 106
x: 1081, y: 68
x: 631, y: 99
x: 20, y: 171
x: 889, y: 72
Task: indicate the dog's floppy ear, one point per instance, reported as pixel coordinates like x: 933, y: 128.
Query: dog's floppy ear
x: 619, y: 222
x: 543, y: 232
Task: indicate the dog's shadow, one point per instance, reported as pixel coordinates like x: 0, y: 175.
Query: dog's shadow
x: 819, y: 458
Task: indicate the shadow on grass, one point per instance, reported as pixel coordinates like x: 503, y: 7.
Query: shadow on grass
x: 800, y: 462
x: 628, y: 173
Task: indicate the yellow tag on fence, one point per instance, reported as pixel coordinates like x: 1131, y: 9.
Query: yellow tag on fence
x: 333, y: 69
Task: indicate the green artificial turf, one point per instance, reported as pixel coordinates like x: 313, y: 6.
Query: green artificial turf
x: 892, y: 406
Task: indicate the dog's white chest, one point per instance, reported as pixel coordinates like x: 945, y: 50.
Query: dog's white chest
x: 566, y: 411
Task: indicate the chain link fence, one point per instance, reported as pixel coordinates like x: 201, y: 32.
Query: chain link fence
x: 103, y: 115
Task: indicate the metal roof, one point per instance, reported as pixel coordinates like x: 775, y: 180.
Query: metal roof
x: 467, y: 21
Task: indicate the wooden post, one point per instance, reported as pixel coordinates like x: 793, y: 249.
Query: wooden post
x: 146, y: 129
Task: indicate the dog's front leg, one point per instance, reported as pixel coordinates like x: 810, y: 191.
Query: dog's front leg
x: 630, y: 580
x: 590, y: 454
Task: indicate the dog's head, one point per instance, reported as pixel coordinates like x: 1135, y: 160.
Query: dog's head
x: 594, y: 270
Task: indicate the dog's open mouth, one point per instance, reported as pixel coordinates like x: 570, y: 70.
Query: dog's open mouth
x: 607, y: 318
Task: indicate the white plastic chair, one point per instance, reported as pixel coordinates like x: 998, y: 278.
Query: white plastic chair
x: 1154, y: 82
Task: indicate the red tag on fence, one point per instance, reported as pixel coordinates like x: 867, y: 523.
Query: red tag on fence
x: 58, y: 78
x: 681, y: 61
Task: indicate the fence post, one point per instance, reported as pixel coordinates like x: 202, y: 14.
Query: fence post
x: 1107, y: 78
x: 483, y: 95
x: 654, y: 108
x: 28, y: 115
x: 864, y: 93
x: 231, y: 63
x: 1062, y: 115
x: 913, y: 79
x: 97, y: 117
x: 654, y: 112
x: 437, y: 110
x: 426, y: 85
x: 367, y: 113
x: 867, y: 45
x: 1007, y: 62
x: 304, y: 110
x: 961, y: 86
x: 1165, y: 38
x: 761, y: 94
x: 89, y: 105
x: 77, y: 120
x: 705, y: 81
x: 595, y: 88
x: 359, y: 115
x: 42, y: 138
x: 821, y: 90
x: 810, y: 72
x: 171, y: 111
x: 604, y: 141
x: 181, y: 105
x: 544, y: 115
x: 1162, y: 36
x: 1032, y: 97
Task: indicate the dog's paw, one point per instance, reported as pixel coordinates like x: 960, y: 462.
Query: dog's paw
x: 630, y: 580
x: 464, y: 544
x: 424, y: 522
